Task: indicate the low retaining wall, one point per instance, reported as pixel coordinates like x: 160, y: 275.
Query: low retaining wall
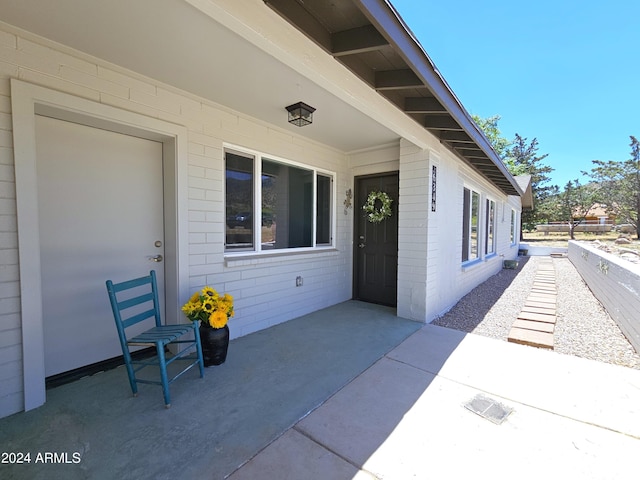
x: 593, y: 228
x: 542, y: 250
x: 614, y: 282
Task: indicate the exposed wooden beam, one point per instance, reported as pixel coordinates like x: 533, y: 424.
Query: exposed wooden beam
x: 358, y: 67
x: 456, y: 136
x: 487, y: 169
x: 460, y: 144
x: 357, y: 40
x: 489, y: 172
x: 472, y: 152
x: 423, y: 105
x: 396, y: 79
x: 441, y: 122
x: 297, y: 15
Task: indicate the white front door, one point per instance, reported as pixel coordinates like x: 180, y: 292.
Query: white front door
x: 100, y: 205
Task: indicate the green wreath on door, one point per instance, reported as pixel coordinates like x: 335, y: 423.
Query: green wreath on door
x: 377, y: 215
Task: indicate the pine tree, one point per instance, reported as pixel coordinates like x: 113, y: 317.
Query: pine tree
x: 620, y: 185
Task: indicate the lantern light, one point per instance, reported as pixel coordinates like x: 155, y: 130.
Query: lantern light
x: 300, y: 114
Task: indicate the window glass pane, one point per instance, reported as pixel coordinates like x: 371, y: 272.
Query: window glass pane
x: 513, y: 226
x: 491, y: 209
x: 287, y: 206
x: 323, y: 213
x: 475, y: 214
x: 238, y: 202
x: 466, y: 201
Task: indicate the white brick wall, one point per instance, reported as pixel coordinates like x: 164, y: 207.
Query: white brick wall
x: 264, y: 288
x: 10, y: 331
x: 413, y: 212
x: 431, y: 277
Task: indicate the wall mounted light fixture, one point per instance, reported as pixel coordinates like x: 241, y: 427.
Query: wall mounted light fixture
x: 300, y: 114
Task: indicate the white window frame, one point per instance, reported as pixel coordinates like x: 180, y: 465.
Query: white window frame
x: 490, y: 225
x: 257, y: 248
x: 514, y: 222
x: 468, y: 228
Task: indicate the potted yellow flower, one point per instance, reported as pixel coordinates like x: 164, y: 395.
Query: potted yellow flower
x: 213, y: 311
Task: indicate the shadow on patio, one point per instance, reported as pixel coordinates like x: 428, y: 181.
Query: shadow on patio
x: 271, y: 380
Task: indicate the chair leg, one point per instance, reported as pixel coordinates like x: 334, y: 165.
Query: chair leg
x: 132, y: 375
x: 163, y: 374
x: 196, y: 332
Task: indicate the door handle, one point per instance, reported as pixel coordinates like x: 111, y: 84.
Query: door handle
x: 156, y: 258
x: 361, y: 245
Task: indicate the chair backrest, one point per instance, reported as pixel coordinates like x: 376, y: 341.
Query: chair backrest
x: 134, y: 301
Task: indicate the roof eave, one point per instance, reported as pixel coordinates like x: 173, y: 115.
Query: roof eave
x: 382, y: 14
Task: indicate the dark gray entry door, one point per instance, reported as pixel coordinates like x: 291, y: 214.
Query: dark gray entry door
x: 376, y: 244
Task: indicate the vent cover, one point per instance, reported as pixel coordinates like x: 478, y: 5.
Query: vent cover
x: 488, y: 408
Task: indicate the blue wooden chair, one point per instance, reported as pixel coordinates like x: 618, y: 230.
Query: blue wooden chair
x: 135, y: 301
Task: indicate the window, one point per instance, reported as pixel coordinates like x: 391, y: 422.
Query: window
x: 290, y: 207
x: 323, y: 212
x: 470, y: 217
x: 513, y: 226
x: 490, y: 218
x: 239, y: 201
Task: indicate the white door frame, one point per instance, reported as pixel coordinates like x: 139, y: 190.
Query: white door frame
x: 27, y: 100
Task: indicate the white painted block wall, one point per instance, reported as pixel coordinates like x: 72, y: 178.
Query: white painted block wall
x: 431, y: 275
x: 264, y: 288
x: 614, y: 282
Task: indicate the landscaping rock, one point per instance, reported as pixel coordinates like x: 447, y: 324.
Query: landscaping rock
x: 623, y: 241
x: 583, y: 327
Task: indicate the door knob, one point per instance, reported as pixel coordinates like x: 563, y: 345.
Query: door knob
x: 361, y: 245
x: 157, y: 258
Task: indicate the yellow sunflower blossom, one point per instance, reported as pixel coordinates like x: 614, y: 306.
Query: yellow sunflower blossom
x: 209, y: 307
x: 210, y: 292
x: 218, y: 319
x: 189, y: 308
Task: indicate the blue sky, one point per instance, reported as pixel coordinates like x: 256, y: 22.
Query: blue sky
x: 566, y: 72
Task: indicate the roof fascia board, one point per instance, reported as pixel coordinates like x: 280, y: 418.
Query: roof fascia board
x: 382, y: 14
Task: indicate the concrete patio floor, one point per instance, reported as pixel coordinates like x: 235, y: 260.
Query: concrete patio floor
x: 270, y: 380
x: 351, y: 391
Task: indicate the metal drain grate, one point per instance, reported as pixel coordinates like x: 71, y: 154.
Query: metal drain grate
x: 488, y: 408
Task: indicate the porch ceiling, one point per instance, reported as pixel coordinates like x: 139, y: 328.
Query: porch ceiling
x: 371, y: 40
x: 179, y: 45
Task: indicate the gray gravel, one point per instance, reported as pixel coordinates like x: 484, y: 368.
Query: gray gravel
x: 583, y: 327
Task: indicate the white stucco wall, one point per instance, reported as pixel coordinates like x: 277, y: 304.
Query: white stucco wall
x: 264, y: 287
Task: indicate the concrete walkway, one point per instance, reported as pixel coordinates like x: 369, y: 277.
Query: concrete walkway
x: 405, y: 418
x: 348, y: 392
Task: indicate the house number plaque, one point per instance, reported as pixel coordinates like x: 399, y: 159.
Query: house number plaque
x: 433, y: 187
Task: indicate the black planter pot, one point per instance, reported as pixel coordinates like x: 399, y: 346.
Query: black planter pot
x: 215, y: 342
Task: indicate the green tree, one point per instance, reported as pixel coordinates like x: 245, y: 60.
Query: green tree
x: 489, y: 126
x: 522, y: 158
x: 572, y: 204
x: 548, y: 209
x: 620, y: 185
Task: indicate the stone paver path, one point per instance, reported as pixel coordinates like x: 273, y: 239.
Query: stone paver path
x: 536, y: 322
